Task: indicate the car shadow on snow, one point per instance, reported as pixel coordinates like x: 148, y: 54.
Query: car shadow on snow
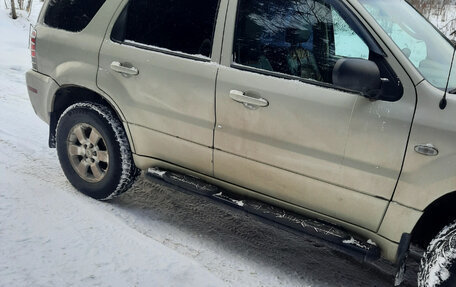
x: 221, y: 228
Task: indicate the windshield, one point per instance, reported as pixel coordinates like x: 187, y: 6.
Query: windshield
x: 428, y: 50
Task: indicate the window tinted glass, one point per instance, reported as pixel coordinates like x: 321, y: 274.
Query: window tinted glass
x: 183, y: 26
x: 302, y: 38
x: 428, y: 50
x: 346, y: 42
x: 71, y: 15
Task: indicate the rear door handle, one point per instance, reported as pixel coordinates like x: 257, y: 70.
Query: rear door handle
x: 119, y: 68
x: 249, y: 102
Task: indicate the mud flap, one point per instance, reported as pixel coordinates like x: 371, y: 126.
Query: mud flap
x: 402, y: 255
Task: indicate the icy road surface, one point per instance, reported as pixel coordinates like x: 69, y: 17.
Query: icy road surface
x: 50, y: 235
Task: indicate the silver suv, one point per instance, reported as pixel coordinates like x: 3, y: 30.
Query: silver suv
x: 338, y: 110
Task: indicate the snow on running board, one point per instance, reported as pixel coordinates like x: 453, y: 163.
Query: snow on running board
x: 156, y: 172
x: 371, y: 242
x: 353, y: 241
x: 237, y: 202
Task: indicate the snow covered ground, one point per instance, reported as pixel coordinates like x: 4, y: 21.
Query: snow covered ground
x: 50, y: 235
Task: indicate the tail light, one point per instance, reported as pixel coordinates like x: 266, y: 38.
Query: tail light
x: 33, y: 47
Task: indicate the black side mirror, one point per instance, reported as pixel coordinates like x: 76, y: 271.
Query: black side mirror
x: 358, y: 75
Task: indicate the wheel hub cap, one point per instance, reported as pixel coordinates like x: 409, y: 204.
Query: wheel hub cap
x: 88, y: 153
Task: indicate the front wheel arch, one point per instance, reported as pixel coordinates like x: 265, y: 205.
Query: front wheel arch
x: 436, y: 216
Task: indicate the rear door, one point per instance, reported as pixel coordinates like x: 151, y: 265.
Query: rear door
x: 285, y: 131
x: 157, y: 64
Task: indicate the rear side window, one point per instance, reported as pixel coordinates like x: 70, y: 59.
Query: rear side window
x: 181, y: 26
x: 71, y: 15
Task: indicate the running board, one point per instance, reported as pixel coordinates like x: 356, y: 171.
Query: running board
x: 336, y: 237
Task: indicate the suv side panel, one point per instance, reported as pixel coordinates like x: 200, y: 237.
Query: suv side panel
x: 427, y: 178
x: 72, y: 58
x: 42, y: 99
x: 399, y: 219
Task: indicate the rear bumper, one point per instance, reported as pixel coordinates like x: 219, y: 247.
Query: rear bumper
x: 41, y: 90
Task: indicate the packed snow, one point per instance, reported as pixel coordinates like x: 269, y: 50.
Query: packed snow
x: 51, y: 235
x: 237, y: 202
x: 353, y: 241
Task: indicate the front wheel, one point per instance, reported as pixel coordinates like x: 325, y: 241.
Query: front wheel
x: 94, y: 152
x: 438, y: 265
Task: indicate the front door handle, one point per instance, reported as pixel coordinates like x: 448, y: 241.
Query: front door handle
x: 241, y: 97
x: 119, y: 68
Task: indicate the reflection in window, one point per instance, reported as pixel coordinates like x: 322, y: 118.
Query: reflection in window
x: 347, y: 43
x: 414, y: 48
x: 429, y: 51
x: 71, y: 15
x: 186, y: 27
x: 302, y: 38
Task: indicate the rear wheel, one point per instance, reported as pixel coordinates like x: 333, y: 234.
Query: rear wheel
x: 94, y: 151
x: 438, y: 266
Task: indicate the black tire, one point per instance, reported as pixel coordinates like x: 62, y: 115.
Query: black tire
x: 438, y: 265
x: 118, y: 173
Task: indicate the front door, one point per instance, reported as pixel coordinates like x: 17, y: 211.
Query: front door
x: 285, y: 131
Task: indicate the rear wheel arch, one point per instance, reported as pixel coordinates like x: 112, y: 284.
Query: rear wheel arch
x: 68, y: 95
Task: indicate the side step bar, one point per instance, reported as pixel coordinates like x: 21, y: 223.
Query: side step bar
x: 338, y: 238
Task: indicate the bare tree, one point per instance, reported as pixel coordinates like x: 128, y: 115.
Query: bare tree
x: 29, y: 6
x: 13, y: 10
x: 20, y: 5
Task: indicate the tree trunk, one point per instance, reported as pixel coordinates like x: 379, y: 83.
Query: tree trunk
x: 29, y: 6
x: 13, y: 10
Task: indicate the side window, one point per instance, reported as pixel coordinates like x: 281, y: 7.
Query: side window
x: 302, y: 38
x: 181, y: 26
x: 405, y: 37
x: 347, y: 43
x: 71, y: 15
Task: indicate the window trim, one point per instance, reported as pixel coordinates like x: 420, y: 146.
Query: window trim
x: 343, y: 10
x: 291, y: 77
x: 162, y: 50
x: 43, y: 13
